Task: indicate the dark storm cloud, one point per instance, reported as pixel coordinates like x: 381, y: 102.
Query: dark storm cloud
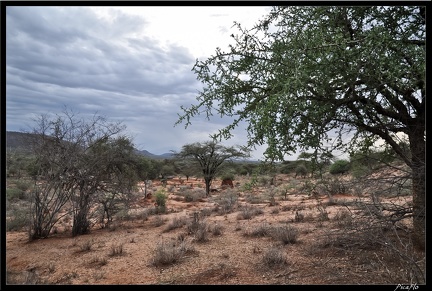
x: 71, y: 47
x: 58, y: 56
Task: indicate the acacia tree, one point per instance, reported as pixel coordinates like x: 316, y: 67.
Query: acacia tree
x: 77, y: 161
x: 210, y: 156
x: 118, y: 175
x: 307, y: 77
x: 147, y: 170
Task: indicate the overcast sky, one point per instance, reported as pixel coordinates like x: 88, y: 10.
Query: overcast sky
x: 129, y: 64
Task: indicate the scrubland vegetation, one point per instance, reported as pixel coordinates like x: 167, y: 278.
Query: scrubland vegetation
x: 352, y: 214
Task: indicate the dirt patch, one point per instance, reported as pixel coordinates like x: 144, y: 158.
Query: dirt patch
x: 234, y: 255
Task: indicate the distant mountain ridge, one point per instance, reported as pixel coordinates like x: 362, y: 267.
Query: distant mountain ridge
x: 18, y: 140
x: 150, y: 155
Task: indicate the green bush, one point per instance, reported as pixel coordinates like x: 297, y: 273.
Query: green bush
x: 14, y: 194
x: 301, y: 170
x: 20, y: 218
x: 160, y: 198
x: 227, y: 176
x: 23, y: 185
x: 340, y: 167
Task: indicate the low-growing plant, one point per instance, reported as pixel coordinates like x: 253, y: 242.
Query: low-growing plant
x: 14, y: 194
x: 116, y: 249
x: 274, y: 257
x: 286, y: 234
x: 23, y: 185
x: 261, y: 230
x: 343, y: 218
x: 206, y: 212
x: 86, y: 245
x: 226, y: 202
x: 160, y: 198
x: 198, y: 228
x: 254, y: 199
x: 98, y: 261
x: 158, y: 221
x: 323, y: 214
x: 216, y: 229
x: 176, y: 222
x: 301, y: 171
x: 339, y: 167
x: 248, y: 212
x: 18, y: 219
x: 168, y: 253
x: 299, y: 217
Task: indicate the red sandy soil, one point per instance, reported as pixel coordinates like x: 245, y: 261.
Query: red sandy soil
x: 229, y: 258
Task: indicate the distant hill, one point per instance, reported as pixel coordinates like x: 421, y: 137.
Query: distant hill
x: 17, y: 141
x: 153, y: 156
x: 20, y: 141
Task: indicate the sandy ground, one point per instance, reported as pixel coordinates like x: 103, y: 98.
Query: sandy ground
x: 231, y: 257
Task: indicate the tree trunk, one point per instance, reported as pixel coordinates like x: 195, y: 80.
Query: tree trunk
x: 418, y: 168
x: 207, y: 184
x: 81, y: 225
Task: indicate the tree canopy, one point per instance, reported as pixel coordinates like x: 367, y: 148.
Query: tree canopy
x: 82, y: 163
x: 308, y: 77
x: 210, y: 156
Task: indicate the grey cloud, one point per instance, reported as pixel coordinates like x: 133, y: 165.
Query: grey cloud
x: 57, y: 56
x: 71, y: 52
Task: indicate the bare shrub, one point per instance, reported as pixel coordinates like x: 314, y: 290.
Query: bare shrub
x: 254, y: 199
x: 286, y: 234
x: 97, y: 261
x: 333, y: 186
x: 264, y: 229
x: 206, y: 212
x: 18, y: 219
x: 176, y: 222
x: 168, y: 253
x: 191, y: 195
x: 380, y: 246
x: 198, y: 228
x: 216, y: 229
x: 51, y: 267
x: 299, y: 217
x: 86, y: 245
x: 323, y: 214
x: 227, y: 202
x: 274, y: 257
x: 248, y: 212
x: 343, y: 218
x: 201, y: 233
x: 287, y: 208
x: 158, y: 221
x: 116, y: 249
x: 275, y: 211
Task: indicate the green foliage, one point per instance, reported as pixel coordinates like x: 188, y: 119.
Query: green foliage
x: 23, y: 185
x: 298, y: 74
x: 227, y: 176
x: 288, y: 167
x: 340, y: 167
x: 14, y: 193
x: 301, y: 170
x: 325, y: 78
x: 89, y: 161
x: 211, y: 157
x: 160, y: 198
x: 20, y: 218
